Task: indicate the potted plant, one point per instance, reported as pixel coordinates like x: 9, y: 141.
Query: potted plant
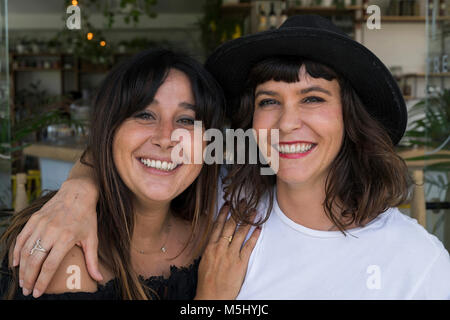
x: 130, y: 10
x: 122, y: 46
x: 54, y: 46
x: 430, y: 129
x: 22, y: 45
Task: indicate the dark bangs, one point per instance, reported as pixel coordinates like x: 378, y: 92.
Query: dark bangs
x: 280, y: 68
x: 286, y: 69
x: 132, y: 86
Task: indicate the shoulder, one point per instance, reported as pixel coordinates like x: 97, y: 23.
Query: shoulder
x: 72, y: 275
x: 406, y: 234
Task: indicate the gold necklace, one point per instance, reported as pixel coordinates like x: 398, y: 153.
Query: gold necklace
x: 163, y: 248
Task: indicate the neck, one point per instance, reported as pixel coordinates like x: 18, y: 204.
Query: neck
x: 151, y: 222
x: 309, y: 197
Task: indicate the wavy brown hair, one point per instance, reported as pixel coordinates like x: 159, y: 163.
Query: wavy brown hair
x: 366, y: 177
x: 126, y: 90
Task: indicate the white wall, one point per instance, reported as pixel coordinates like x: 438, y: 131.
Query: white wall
x: 398, y: 44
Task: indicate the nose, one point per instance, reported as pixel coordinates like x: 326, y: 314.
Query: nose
x: 162, y: 135
x: 290, y: 119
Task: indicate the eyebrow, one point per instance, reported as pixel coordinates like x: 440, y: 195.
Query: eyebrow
x: 303, y: 91
x: 185, y: 105
x: 266, y: 92
x: 315, y: 88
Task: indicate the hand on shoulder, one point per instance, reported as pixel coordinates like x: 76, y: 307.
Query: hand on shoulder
x: 72, y: 275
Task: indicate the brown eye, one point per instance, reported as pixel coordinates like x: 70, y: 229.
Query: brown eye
x: 267, y: 102
x: 144, y: 116
x: 313, y: 99
x: 187, y: 121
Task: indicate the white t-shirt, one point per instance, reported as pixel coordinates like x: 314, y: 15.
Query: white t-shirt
x: 392, y: 257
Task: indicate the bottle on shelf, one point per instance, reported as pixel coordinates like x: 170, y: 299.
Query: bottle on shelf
x: 272, y: 17
x: 262, y: 19
x: 237, y: 32
x: 21, y: 201
x: 442, y: 8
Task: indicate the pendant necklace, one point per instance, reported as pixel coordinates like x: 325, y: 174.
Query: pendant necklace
x: 163, y: 248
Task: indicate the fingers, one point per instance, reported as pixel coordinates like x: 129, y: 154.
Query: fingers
x: 90, y: 252
x: 227, y: 232
x: 241, y: 234
x: 248, y: 247
x: 49, y: 268
x: 30, y: 264
x: 21, y: 239
x: 218, y: 225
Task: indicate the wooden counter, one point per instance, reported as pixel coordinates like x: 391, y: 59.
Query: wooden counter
x: 55, y: 160
x: 69, y: 152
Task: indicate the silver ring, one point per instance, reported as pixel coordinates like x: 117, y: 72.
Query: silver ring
x: 38, y: 247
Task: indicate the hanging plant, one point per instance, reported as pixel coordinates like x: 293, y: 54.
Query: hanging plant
x: 216, y: 27
x: 130, y: 10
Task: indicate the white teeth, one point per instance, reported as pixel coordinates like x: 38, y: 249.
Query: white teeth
x: 157, y: 164
x: 295, y: 148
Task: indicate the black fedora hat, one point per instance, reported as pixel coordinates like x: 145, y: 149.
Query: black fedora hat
x: 318, y: 39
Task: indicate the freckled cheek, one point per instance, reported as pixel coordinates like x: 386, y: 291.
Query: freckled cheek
x: 264, y: 121
x: 331, y: 129
x: 126, y: 141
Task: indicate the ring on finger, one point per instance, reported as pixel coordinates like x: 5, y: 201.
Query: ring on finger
x: 229, y: 238
x: 38, y: 247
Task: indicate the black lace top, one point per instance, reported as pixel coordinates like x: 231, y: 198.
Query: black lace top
x: 180, y: 285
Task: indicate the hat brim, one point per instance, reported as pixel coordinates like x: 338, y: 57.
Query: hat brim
x: 231, y: 63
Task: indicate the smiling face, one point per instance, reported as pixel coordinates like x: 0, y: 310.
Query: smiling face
x: 142, y: 144
x: 308, y: 115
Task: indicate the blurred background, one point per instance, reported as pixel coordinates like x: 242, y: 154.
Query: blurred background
x: 55, y: 53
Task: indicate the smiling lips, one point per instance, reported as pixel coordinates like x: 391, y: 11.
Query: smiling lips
x: 294, y: 150
x: 290, y: 150
x: 158, y: 164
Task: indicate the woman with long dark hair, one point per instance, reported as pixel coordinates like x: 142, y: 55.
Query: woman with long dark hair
x: 330, y: 226
x: 154, y: 215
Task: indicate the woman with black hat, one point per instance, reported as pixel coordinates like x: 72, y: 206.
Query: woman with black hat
x: 331, y: 229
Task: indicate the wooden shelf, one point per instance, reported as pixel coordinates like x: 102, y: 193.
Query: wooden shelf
x: 100, y: 70
x: 236, y: 8
x: 421, y: 19
x: 323, y: 9
x: 41, y: 54
x: 422, y: 75
x: 36, y: 69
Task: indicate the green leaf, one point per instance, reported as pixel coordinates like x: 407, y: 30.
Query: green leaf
x: 430, y: 157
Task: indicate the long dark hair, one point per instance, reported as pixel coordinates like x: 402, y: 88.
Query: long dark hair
x: 366, y: 177
x: 129, y: 88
